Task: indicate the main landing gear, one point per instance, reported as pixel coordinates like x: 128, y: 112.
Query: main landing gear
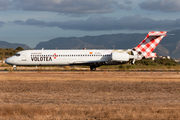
x: 92, y: 67
x: 97, y: 64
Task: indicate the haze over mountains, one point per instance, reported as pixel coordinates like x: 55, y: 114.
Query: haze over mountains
x: 169, y: 46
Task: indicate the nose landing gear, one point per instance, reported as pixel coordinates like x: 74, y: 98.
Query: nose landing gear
x: 14, y: 67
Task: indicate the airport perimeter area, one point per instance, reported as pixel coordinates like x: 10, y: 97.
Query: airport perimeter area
x: 89, y: 95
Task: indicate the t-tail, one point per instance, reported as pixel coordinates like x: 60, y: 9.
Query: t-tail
x: 146, y: 47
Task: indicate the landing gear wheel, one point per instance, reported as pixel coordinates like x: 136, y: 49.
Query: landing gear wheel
x: 14, y: 68
x: 93, y: 68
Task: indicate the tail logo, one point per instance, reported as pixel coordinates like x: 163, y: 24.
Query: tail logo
x: 147, y: 46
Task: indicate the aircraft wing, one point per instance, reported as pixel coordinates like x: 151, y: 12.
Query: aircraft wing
x: 89, y: 62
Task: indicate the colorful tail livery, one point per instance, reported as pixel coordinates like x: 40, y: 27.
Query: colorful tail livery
x: 147, y: 46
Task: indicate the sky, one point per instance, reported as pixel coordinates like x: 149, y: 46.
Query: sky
x: 33, y: 21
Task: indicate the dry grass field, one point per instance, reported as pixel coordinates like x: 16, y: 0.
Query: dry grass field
x: 89, y: 95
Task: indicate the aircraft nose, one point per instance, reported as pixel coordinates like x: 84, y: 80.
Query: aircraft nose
x: 8, y: 61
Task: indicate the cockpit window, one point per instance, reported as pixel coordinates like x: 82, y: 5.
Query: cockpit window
x: 17, y: 55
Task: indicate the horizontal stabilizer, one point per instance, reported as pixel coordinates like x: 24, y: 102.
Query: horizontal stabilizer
x: 150, y: 55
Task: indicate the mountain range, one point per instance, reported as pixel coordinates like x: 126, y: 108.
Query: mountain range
x: 169, y: 46
x: 4, y: 44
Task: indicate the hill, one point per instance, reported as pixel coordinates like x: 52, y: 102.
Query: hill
x: 4, y: 44
x: 122, y: 41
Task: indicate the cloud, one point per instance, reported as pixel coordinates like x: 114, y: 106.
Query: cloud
x: 128, y: 1
x: 161, y: 5
x: 100, y: 23
x: 2, y: 23
x: 4, y: 4
x: 65, y: 6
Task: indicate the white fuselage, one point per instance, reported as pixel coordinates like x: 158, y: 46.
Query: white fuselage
x: 64, y: 57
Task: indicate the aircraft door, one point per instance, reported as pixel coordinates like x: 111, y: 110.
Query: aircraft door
x: 23, y: 56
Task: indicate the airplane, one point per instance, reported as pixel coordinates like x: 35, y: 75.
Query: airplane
x: 92, y: 58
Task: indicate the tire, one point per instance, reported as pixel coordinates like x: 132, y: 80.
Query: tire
x: 14, y: 68
x: 93, y: 68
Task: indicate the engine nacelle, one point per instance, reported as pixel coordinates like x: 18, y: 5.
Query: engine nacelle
x: 120, y: 56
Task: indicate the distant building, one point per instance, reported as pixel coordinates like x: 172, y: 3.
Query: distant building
x: 163, y: 57
x: 153, y: 58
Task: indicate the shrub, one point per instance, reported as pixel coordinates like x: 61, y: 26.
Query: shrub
x: 145, y: 62
x: 127, y: 67
x: 19, y: 48
x: 166, y: 62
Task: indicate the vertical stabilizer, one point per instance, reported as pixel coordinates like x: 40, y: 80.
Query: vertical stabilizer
x: 147, y: 46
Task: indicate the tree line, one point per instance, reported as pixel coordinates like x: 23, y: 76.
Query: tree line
x: 166, y: 62
x: 5, y: 53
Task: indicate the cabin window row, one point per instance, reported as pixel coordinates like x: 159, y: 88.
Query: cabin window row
x: 66, y: 55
